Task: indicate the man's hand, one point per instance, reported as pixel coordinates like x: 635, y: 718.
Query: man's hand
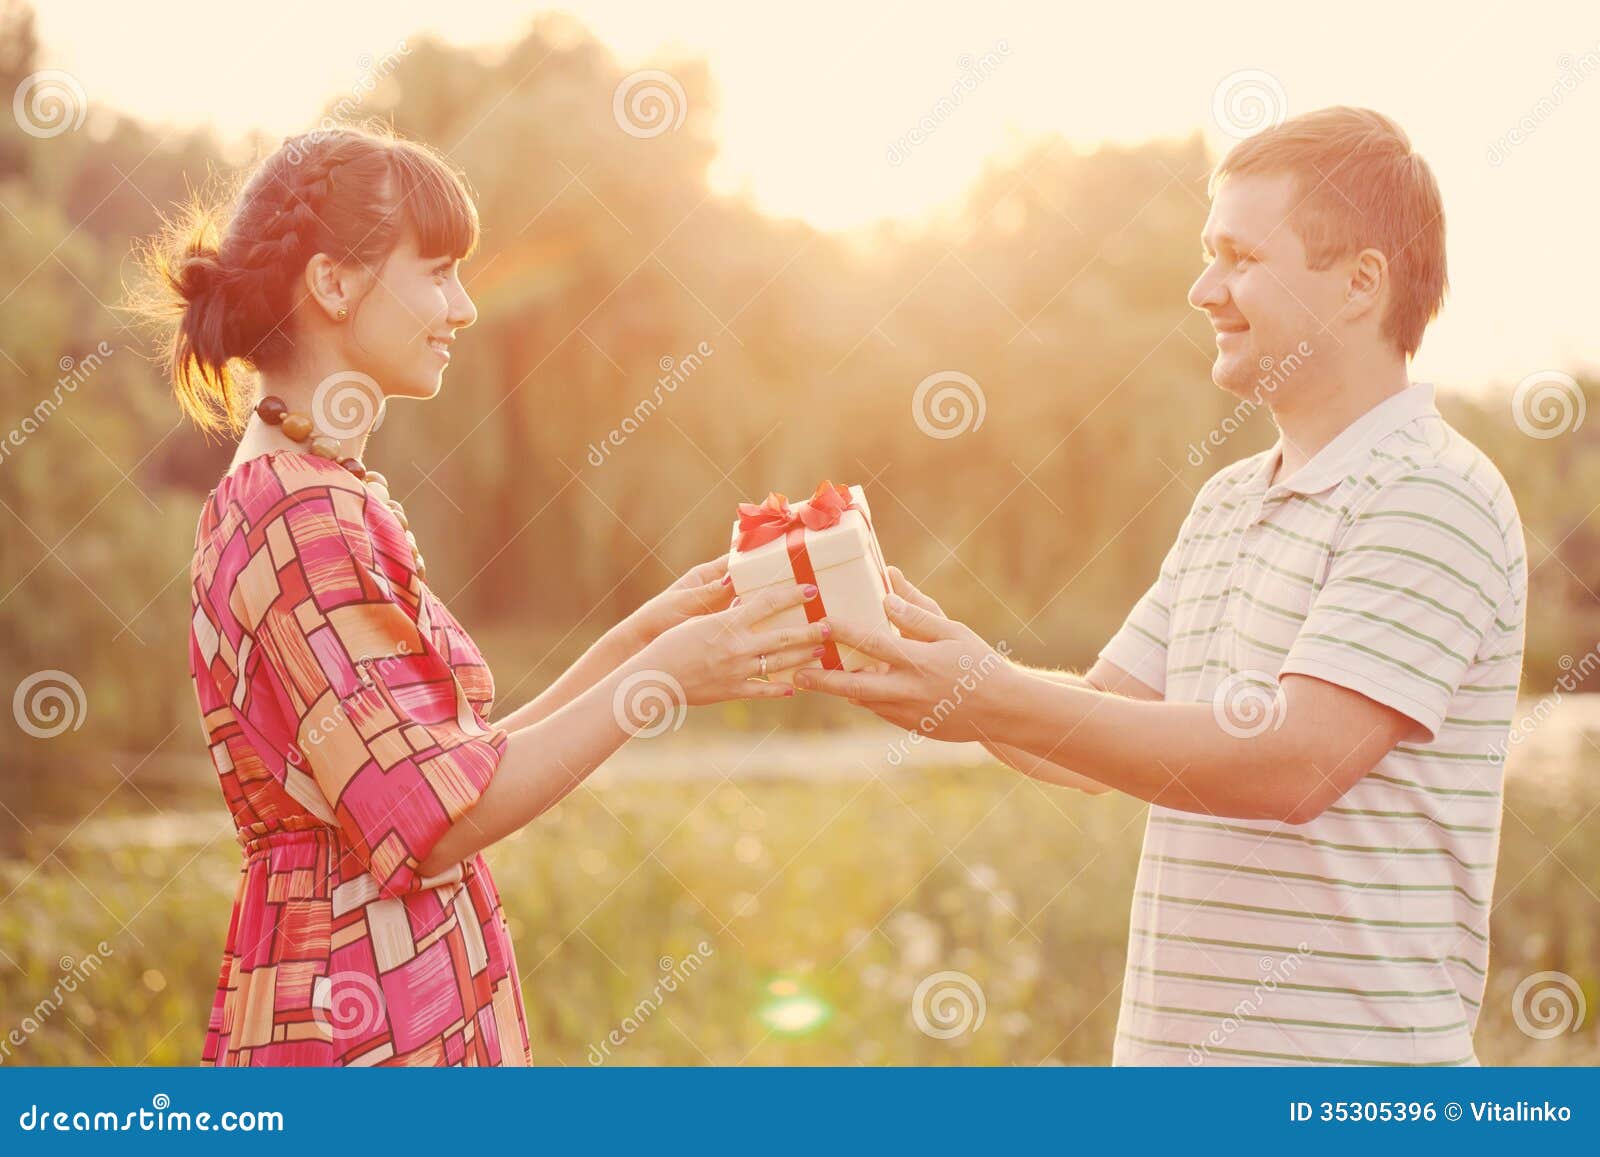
x: 935, y: 678
x: 904, y: 588
x: 1044, y: 770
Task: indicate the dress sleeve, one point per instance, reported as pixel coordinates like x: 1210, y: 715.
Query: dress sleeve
x: 383, y: 726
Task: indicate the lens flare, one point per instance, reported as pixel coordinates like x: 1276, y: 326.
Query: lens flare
x: 793, y: 1011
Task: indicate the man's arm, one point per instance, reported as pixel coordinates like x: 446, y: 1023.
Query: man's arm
x: 1323, y: 739
x: 1220, y: 759
x: 1103, y: 676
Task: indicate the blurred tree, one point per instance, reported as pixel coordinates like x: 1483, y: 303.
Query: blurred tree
x: 606, y: 266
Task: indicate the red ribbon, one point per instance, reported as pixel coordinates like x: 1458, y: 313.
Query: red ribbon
x: 759, y: 525
x: 775, y: 518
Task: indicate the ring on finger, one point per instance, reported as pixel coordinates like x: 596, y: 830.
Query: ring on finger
x: 763, y: 674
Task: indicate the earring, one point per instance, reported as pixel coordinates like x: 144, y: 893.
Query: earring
x: 342, y: 314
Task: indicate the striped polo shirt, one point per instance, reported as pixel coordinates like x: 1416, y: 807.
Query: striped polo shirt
x: 1391, y: 563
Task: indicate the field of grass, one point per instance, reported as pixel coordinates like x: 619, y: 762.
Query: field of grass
x: 824, y: 900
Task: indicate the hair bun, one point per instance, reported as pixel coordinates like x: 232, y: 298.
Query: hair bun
x: 198, y: 275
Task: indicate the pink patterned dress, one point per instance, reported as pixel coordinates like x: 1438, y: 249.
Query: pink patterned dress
x: 344, y: 708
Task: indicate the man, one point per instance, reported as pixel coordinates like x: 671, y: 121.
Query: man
x: 1315, y: 693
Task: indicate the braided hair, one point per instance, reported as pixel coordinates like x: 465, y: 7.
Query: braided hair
x: 223, y: 281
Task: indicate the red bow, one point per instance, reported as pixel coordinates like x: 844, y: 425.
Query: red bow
x: 760, y: 524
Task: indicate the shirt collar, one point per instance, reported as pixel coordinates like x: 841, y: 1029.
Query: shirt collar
x: 1333, y: 462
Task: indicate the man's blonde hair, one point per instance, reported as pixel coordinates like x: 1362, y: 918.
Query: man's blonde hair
x: 1358, y: 185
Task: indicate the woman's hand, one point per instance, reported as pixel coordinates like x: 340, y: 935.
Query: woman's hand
x: 702, y: 590
x: 715, y: 656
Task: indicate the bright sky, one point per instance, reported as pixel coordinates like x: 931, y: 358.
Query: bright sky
x: 813, y: 98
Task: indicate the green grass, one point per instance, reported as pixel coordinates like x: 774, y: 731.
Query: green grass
x: 837, y: 896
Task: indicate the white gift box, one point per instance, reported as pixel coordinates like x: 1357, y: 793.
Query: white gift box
x: 843, y: 559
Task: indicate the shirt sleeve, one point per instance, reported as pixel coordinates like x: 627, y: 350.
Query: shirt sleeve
x: 383, y: 726
x: 1140, y: 645
x: 1415, y: 583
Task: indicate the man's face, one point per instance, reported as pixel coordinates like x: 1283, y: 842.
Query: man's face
x: 1257, y: 291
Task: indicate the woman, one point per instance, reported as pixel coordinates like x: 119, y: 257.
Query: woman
x: 345, y: 708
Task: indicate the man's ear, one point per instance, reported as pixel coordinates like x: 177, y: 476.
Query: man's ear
x: 1369, y: 281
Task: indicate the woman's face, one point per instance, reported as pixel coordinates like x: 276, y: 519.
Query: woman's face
x: 403, y: 327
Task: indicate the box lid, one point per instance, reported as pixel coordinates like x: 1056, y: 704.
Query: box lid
x: 850, y: 538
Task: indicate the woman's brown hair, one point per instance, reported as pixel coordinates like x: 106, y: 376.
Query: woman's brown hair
x: 222, y: 280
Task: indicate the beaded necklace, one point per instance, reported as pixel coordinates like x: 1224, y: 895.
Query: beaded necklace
x: 298, y: 428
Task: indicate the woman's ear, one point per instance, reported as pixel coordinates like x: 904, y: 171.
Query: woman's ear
x: 327, y: 284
